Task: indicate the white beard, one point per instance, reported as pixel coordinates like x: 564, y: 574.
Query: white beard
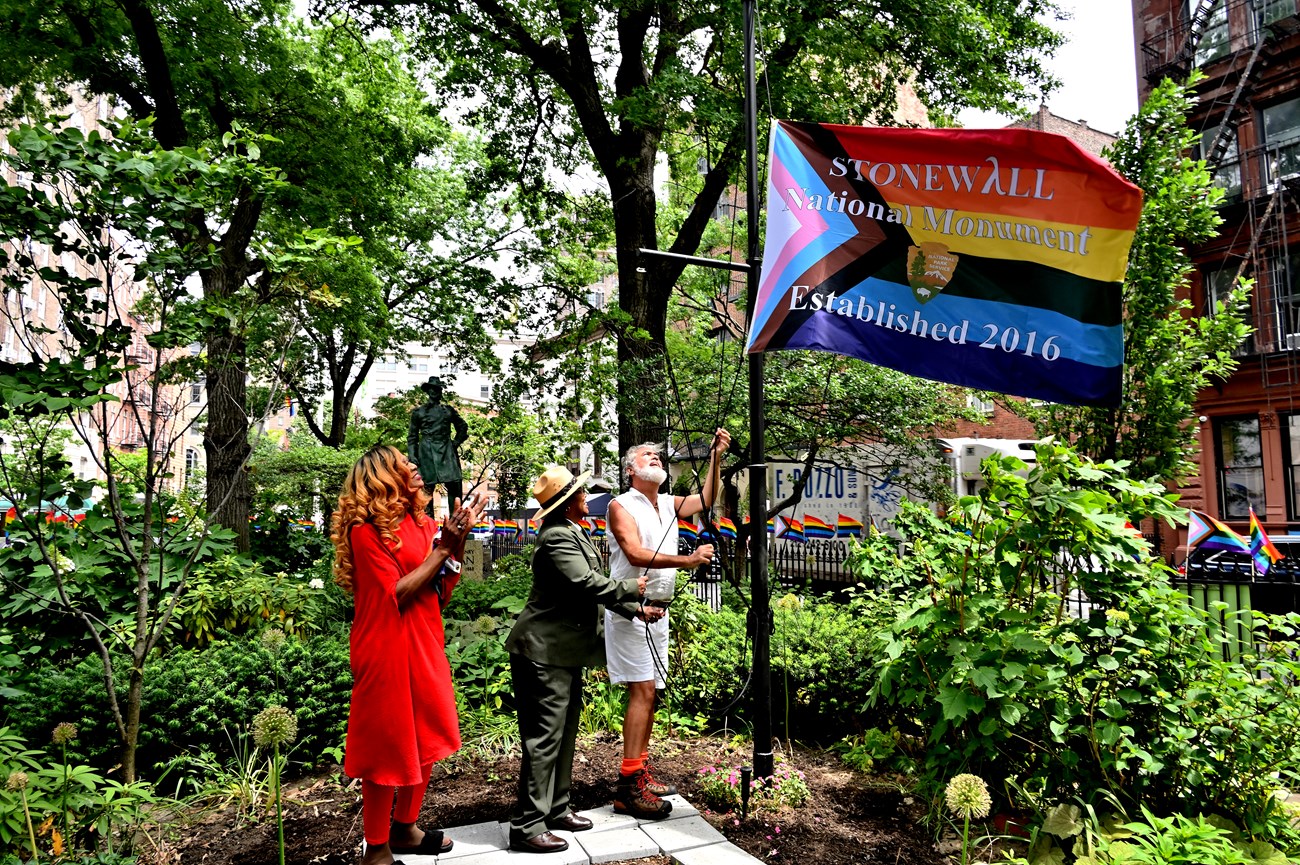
x: 651, y: 474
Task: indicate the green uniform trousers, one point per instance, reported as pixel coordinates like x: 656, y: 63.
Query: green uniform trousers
x: 549, y: 704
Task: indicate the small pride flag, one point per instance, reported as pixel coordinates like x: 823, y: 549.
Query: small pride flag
x: 532, y: 528
x: 687, y: 530
x: 597, y: 527
x: 585, y: 525
x: 505, y: 528
x: 814, y: 528
x: 1261, y: 548
x: 482, y: 526
x: 790, y: 529
x: 727, y: 528
x: 847, y: 527
x: 1204, y: 531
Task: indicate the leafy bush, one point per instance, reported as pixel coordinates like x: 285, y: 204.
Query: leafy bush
x: 1067, y: 834
x: 1132, y: 699
x: 194, y: 698
x: 74, y: 807
x: 236, y: 596
x: 511, y: 578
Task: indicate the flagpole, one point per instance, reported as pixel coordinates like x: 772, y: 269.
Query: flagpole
x: 760, y: 607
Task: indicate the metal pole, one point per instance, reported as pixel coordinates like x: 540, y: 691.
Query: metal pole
x: 759, y: 602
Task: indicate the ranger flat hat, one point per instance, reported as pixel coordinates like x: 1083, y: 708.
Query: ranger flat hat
x: 554, y: 487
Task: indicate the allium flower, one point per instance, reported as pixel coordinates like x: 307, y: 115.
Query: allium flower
x: 968, y: 796
x: 64, y: 733
x: 16, y: 781
x: 273, y: 640
x: 275, y: 725
x: 1117, y: 615
x: 484, y: 625
x: 316, y: 583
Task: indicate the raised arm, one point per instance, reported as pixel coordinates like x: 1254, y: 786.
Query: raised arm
x: 689, y: 506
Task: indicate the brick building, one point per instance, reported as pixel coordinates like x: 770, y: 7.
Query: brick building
x: 1248, y: 118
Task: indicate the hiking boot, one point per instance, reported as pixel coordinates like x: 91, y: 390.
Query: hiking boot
x: 633, y: 797
x: 654, y: 785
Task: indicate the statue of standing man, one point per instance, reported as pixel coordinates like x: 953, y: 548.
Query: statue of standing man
x: 437, y: 432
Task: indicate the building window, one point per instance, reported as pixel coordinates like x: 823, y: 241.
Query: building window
x: 485, y: 391
x: 980, y: 404
x: 1215, y: 40
x: 1240, y: 467
x: 1281, y: 125
x: 1291, y: 454
x: 1227, y: 171
x: 1218, y: 280
x: 1268, y: 11
x: 196, y: 392
x: 191, y: 465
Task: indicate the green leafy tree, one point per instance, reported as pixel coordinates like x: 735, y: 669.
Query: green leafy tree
x: 602, y: 86
x: 1170, y: 352
x: 400, y: 178
x: 100, y: 224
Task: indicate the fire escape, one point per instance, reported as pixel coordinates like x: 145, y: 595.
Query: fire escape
x: 1268, y: 188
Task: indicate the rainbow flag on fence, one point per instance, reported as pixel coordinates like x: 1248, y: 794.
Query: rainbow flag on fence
x: 585, y: 525
x: 482, y: 526
x: 1261, y: 548
x: 790, y: 529
x: 847, y: 527
x: 1205, y: 532
x: 597, y: 527
x: 687, y: 530
x: 727, y: 528
x: 532, y: 528
x: 505, y: 528
x: 815, y: 528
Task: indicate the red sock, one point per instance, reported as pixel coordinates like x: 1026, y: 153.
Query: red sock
x: 632, y: 766
x: 376, y: 810
x: 645, y: 756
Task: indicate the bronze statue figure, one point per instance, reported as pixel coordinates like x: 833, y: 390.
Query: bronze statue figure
x: 437, y: 432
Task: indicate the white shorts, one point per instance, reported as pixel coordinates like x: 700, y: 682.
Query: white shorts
x: 628, y: 652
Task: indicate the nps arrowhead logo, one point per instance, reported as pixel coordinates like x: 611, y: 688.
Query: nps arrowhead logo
x: 929, y: 269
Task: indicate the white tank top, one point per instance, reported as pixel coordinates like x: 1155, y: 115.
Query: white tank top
x: 658, y: 531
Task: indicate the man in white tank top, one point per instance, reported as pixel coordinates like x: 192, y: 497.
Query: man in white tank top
x: 643, y: 530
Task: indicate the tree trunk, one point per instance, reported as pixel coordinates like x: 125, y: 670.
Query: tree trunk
x: 643, y: 388
x: 134, y: 697
x: 225, y: 439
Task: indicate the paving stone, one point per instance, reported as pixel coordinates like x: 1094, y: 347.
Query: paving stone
x: 614, y: 844
x: 681, y: 808
x: 683, y: 834
x: 725, y: 853
x: 471, y: 840
x: 603, y: 818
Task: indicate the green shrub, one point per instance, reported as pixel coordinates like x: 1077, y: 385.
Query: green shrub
x: 90, y: 813
x: 196, y: 699
x: 234, y: 595
x: 506, y: 587
x: 985, y: 660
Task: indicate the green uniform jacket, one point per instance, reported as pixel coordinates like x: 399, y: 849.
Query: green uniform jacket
x: 563, y: 623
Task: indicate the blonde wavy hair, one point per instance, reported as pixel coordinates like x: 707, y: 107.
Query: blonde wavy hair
x: 377, y: 490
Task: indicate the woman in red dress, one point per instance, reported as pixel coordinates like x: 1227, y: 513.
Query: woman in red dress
x: 400, y: 569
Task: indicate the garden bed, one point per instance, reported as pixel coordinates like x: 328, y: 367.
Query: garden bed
x: 849, y: 819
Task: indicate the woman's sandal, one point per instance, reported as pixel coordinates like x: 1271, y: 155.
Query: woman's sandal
x: 432, y: 844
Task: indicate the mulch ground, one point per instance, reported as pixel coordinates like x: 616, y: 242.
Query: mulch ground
x: 850, y: 819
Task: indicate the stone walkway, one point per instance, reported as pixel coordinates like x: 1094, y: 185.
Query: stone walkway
x: 685, y: 836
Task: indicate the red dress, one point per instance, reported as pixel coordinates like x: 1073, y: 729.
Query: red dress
x: 403, y: 714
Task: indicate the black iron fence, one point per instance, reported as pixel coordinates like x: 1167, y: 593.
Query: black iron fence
x: 1228, y: 587
x: 816, y: 566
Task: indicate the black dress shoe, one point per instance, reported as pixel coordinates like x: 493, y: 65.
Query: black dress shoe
x: 570, y: 821
x: 543, y: 843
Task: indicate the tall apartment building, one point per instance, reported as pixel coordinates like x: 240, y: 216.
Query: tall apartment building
x: 1248, y: 118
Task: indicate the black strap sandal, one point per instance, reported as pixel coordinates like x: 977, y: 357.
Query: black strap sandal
x: 432, y: 844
